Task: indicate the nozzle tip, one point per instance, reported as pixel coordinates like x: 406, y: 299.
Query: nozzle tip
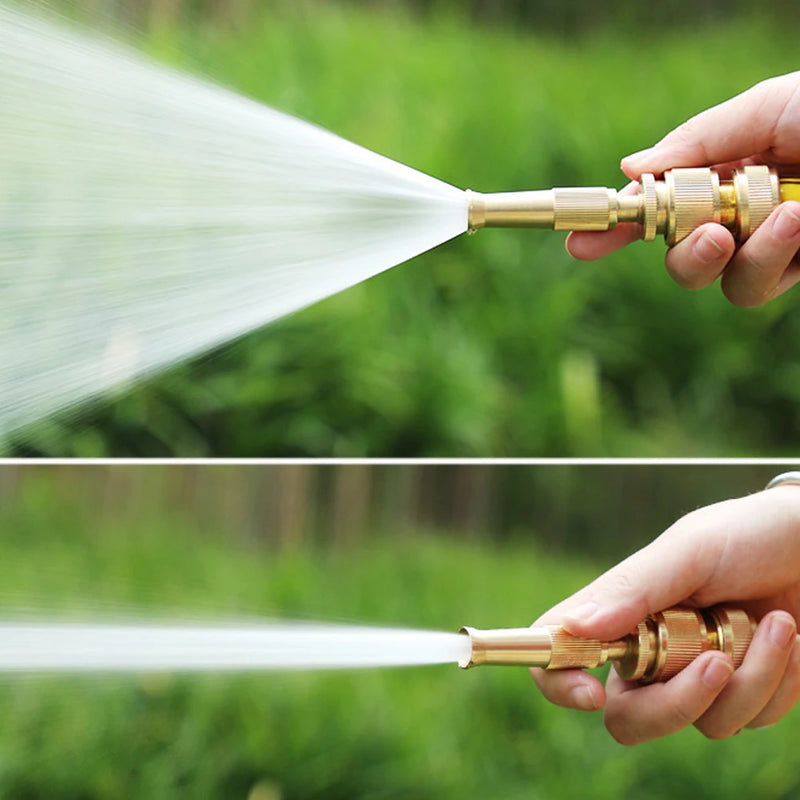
x: 476, y: 211
x: 466, y: 663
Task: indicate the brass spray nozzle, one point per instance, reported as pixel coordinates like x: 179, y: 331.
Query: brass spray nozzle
x: 674, y: 206
x: 662, y: 645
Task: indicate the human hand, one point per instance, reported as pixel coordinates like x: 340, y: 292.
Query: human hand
x: 759, y: 126
x: 743, y: 552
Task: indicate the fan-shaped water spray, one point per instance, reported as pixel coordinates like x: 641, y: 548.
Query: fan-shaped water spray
x: 146, y: 216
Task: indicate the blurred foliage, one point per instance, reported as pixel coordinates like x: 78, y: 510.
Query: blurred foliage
x: 584, y: 15
x: 432, y: 732
x: 497, y: 345
x: 540, y: 15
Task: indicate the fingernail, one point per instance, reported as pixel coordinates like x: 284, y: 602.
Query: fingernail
x: 583, y: 613
x: 707, y: 249
x: 717, y: 673
x: 781, y: 632
x: 583, y: 698
x: 787, y: 226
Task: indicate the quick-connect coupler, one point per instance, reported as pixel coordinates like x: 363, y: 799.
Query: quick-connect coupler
x: 674, y: 206
x: 662, y: 645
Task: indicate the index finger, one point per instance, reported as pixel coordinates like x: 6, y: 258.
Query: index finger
x: 758, y: 121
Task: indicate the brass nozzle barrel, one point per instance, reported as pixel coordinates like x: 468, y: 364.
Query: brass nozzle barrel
x: 674, y: 206
x: 661, y: 646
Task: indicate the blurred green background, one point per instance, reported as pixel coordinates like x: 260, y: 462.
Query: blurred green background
x: 497, y: 345
x: 365, y: 545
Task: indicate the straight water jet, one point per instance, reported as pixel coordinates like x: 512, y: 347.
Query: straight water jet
x: 35, y: 646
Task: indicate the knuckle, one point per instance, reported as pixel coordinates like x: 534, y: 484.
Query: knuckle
x: 679, y: 714
x: 716, y: 732
x: 679, y: 270
x: 793, y: 680
x: 698, y: 260
x: 775, y: 87
x: 690, y: 136
x: 622, y: 585
x: 744, y: 297
x: 686, y: 132
x: 620, y: 727
x: 544, y: 682
x: 622, y: 737
x: 685, y: 278
x: 790, y: 689
x: 767, y: 718
x: 758, y: 267
x: 554, y: 686
x: 767, y: 86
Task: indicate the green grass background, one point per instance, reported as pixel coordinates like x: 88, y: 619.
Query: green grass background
x: 429, y: 732
x: 497, y: 344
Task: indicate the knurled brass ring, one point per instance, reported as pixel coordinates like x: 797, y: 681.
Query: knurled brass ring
x: 638, y: 668
x: 650, y: 198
